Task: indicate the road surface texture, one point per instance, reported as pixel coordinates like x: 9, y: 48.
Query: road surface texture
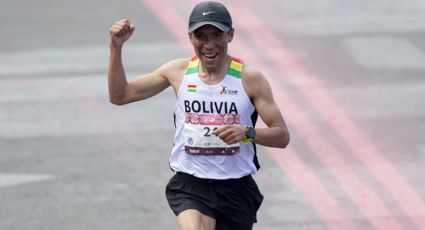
x: 349, y: 77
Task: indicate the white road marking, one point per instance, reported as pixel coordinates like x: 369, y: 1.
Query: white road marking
x: 382, y: 101
x: 336, y: 17
x: 8, y: 180
x: 59, y: 60
x: 383, y: 52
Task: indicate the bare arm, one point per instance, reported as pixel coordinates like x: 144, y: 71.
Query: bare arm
x: 258, y: 89
x: 276, y: 134
x: 120, y: 90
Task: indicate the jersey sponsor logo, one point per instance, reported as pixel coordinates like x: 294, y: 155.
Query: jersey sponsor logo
x: 210, y: 107
x: 212, y: 151
x: 226, y: 91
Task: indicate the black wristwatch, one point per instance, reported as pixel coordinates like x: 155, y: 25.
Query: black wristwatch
x: 250, y: 133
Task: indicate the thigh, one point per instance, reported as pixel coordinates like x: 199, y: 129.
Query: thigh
x: 238, y: 206
x: 192, y: 219
x: 184, y: 195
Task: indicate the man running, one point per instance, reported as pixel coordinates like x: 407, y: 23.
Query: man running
x: 219, y: 98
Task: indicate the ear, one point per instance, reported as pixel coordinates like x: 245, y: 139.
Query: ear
x: 230, y: 34
x: 190, y: 35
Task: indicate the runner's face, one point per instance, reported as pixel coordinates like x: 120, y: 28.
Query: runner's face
x: 210, y: 45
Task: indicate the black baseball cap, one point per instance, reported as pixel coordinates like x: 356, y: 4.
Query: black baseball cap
x: 210, y: 13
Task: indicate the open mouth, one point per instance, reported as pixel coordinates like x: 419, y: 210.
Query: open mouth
x: 210, y: 55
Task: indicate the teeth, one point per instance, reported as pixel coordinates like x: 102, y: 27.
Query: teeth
x: 210, y: 55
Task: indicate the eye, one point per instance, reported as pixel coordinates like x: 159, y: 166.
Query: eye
x: 218, y: 34
x: 198, y: 35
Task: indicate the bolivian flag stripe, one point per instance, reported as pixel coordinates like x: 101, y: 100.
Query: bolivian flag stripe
x: 191, y: 88
x: 236, y: 66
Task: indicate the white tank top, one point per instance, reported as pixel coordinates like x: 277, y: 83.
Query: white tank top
x: 199, y: 110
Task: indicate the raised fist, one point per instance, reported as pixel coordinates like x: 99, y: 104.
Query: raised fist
x: 120, y: 32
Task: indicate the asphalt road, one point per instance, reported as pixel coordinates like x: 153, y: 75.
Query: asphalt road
x: 349, y: 77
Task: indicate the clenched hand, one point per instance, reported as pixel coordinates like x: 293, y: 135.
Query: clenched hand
x: 120, y: 32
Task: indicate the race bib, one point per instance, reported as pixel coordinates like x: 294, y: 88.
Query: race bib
x: 199, y: 140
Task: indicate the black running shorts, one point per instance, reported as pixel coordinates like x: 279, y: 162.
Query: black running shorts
x: 233, y: 203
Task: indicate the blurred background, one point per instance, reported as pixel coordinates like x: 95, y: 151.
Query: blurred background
x: 348, y: 76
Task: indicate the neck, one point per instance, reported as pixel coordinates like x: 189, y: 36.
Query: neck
x: 212, y: 75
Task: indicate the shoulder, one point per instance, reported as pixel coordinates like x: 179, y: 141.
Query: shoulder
x: 176, y: 65
x: 173, y: 71
x: 250, y: 73
x: 253, y: 81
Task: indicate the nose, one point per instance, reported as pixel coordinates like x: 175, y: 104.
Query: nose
x: 209, y: 43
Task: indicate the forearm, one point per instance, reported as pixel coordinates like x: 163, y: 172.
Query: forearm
x: 117, y: 80
x: 277, y: 136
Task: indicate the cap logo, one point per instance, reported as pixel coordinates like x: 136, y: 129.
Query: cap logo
x: 206, y: 13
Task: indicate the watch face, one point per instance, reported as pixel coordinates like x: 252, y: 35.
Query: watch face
x: 250, y: 132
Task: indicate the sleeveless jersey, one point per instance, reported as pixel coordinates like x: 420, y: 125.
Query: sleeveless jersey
x: 199, y: 110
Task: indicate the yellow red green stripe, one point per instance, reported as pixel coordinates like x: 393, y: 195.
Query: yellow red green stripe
x: 191, y: 88
x: 193, y: 65
x: 235, y: 68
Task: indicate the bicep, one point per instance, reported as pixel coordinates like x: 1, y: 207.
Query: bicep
x: 146, y: 86
x: 153, y: 83
x: 268, y: 110
x: 261, y: 95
